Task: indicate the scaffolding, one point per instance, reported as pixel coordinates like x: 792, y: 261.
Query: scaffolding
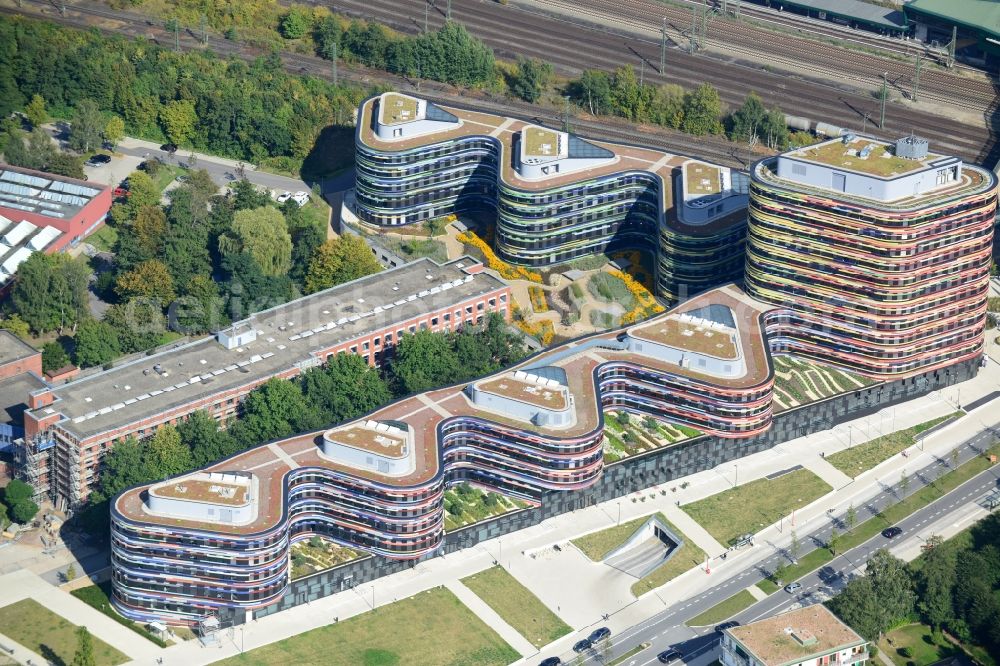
x: 33, y: 463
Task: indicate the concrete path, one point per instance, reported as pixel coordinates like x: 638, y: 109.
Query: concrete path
x: 693, y: 530
x: 824, y: 470
x: 756, y: 592
x: 491, y: 618
x: 20, y: 654
x: 27, y: 585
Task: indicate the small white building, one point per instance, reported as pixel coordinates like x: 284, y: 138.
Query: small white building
x: 811, y: 636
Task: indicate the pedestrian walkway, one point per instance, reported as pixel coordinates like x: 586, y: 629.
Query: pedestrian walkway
x: 27, y: 585
x: 491, y: 618
x: 756, y: 592
x: 824, y: 470
x: 692, y: 530
x: 19, y: 653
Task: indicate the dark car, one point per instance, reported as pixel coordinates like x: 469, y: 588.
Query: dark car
x: 719, y: 628
x: 582, y: 646
x: 551, y: 661
x: 598, y: 635
x: 98, y: 160
x: 169, y: 148
x: 892, y: 532
x: 669, y: 656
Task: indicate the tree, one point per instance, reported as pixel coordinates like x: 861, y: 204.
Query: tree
x: 702, y: 109
x: 747, y: 120
x: 179, y: 119
x: 122, y: 468
x: 4, y: 520
x: 593, y: 91
x: 833, y: 544
x: 142, y: 193
x: 138, y: 324
x: 344, y: 388
x: 17, y: 491
x: 149, y: 229
x: 35, y: 111
x: 208, y: 443
x: 114, y: 131
x: 246, y: 195
x: 96, y: 344
x: 50, y: 291
x: 340, y: 260
x: 852, y: 517
x: 275, y: 409
x: 84, y: 655
x: 935, y: 584
x: 904, y: 483
x: 954, y: 458
x: 70, y: 572
x: 16, y: 325
x: 150, y: 280
x: 86, y: 126
x: 423, y: 361
x: 53, y: 357
x: 24, y: 511
x: 164, y: 455
x: 531, y: 79
x: 262, y: 233
x: 295, y: 23
x: 795, y: 547
x: 248, y: 289
x: 891, y: 586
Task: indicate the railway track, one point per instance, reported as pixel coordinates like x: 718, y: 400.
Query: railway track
x: 522, y: 30
x: 715, y: 149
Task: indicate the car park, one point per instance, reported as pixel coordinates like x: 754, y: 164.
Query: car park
x: 98, y: 160
x: 792, y: 588
x: 892, y: 532
x: 598, y: 635
x: 551, y: 661
x: 582, y: 646
x: 669, y: 656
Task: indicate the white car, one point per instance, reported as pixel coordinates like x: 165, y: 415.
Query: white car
x: 283, y: 197
x: 301, y: 198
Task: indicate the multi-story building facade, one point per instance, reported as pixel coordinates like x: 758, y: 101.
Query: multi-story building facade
x: 183, y: 548
x: 69, y: 427
x: 557, y: 197
x: 877, y: 254
x: 811, y: 636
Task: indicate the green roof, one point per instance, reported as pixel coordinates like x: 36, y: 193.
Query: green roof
x: 981, y: 15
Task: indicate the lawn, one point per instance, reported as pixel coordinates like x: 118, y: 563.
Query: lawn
x: 104, y: 239
x: 890, y: 516
x: 517, y: 606
x: 432, y: 627
x: 97, y: 596
x: 863, y: 457
x: 35, y: 627
x: 415, y: 248
x: 750, y: 508
x: 924, y: 646
x: 597, y: 545
x: 723, y: 610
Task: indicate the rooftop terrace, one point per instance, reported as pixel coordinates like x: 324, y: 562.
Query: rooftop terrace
x: 203, y: 488
x: 371, y: 438
x: 862, y: 155
x: 551, y: 397
x: 698, y: 336
x: 541, y: 142
x: 701, y: 179
x: 287, y: 337
x: 795, y: 636
x: 398, y: 109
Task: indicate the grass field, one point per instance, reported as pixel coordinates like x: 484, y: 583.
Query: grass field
x: 98, y: 596
x: 432, y: 627
x: 890, y: 516
x: 925, y: 646
x: 517, y: 605
x: 723, y: 610
x: 749, y: 508
x: 37, y: 628
x: 863, y: 457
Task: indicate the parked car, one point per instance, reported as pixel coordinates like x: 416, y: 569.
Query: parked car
x: 719, y: 628
x: 301, y: 198
x: 792, y: 588
x: 669, y: 656
x: 582, y: 646
x: 120, y: 193
x: 169, y: 148
x: 98, y: 160
x: 892, y: 532
x: 551, y: 661
x: 598, y: 635
x: 283, y: 197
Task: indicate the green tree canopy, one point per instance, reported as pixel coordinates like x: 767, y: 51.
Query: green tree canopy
x: 702, y: 111
x: 35, y: 111
x: 275, y: 409
x: 84, y: 655
x: 295, y: 23
x: 50, y: 291
x: 24, y: 511
x: 208, y: 443
x: 164, y: 454
x: 86, y: 126
x: 53, y: 356
x: 114, y: 131
x: 138, y: 323
x: 344, y: 388
x: 96, y: 344
x: 17, y: 491
x: 179, y: 120
x: 338, y: 261
x: 531, y: 79
x: 423, y: 361
x: 150, y: 280
x: 262, y: 233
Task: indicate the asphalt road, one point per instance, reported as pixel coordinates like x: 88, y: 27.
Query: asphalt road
x: 667, y: 628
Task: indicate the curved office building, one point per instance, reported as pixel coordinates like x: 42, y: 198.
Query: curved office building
x: 877, y: 254
x: 557, y: 197
x: 220, y: 537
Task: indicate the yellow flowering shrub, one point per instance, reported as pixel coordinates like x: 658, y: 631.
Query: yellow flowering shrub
x: 538, y: 303
x: 645, y: 303
x: 494, y: 262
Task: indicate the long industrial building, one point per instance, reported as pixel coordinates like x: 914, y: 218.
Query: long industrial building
x: 878, y: 254
x: 557, y: 197
x: 220, y: 537
x: 69, y: 427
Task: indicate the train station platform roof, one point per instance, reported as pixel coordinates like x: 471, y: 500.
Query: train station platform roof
x: 976, y: 15
x: 854, y: 10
